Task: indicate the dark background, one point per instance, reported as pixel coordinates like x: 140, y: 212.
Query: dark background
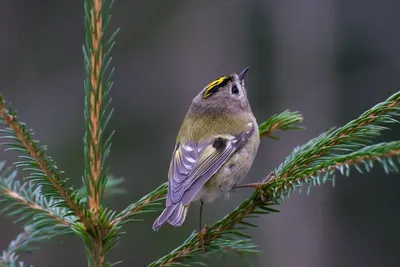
x: 329, y: 59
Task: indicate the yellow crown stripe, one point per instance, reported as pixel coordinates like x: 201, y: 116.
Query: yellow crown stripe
x: 213, y: 84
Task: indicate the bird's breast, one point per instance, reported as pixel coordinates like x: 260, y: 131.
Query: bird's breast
x: 232, y: 172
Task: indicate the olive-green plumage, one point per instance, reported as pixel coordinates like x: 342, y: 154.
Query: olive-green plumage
x: 196, y: 127
x: 215, y: 147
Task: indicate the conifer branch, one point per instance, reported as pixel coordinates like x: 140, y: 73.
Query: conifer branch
x: 27, y: 201
x: 43, y: 169
x: 286, y: 120
x: 350, y: 137
x: 29, y: 206
x: 97, y: 60
x: 148, y: 203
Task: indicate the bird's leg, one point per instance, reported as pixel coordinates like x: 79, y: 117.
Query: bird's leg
x: 202, y: 232
x: 259, y: 186
x: 201, y: 215
x: 270, y: 177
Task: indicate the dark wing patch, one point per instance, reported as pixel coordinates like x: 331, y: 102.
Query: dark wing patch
x: 219, y: 143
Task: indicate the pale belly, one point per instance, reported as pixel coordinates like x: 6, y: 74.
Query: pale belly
x: 231, y: 173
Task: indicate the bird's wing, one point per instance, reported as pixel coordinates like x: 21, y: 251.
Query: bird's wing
x: 193, y: 164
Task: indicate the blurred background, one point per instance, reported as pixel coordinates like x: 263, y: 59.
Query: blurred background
x: 329, y: 59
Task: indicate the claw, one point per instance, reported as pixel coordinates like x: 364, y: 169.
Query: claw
x: 269, y: 177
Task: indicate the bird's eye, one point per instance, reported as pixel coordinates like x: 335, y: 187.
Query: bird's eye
x: 235, y: 90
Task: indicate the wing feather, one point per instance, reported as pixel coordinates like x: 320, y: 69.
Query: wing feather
x: 192, y: 165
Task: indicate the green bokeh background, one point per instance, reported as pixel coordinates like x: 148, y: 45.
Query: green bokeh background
x: 328, y: 59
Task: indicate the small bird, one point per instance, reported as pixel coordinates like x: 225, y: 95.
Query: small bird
x: 214, y: 150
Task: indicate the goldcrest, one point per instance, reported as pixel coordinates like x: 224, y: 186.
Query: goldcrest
x: 214, y: 150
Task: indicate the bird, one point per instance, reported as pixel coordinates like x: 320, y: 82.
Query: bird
x: 215, y: 148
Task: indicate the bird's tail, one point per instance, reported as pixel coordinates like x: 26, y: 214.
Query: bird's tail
x: 174, y: 215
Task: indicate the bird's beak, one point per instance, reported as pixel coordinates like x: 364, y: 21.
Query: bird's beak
x: 243, y: 73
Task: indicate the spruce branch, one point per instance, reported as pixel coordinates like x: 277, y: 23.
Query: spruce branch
x: 382, y: 152
x: 354, y: 135
x: 148, y: 203
x: 97, y: 61
x: 315, y: 163
x: 26, y: 201
x: 286, y: 120
x: 101, y: 237
x: 43, y: 170
x: 151, y: 202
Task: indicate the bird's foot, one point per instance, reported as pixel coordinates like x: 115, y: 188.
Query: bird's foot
x: 259, y: 186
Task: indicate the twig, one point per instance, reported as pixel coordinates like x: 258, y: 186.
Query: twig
x: 96, y: 59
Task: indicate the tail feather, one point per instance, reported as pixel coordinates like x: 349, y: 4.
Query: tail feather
x: 174, y: 215
x: 178, y: 216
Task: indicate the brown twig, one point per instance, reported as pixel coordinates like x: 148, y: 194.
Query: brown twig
x: 98, y: 251
x: 95, y: 151
x: 96, y: 59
